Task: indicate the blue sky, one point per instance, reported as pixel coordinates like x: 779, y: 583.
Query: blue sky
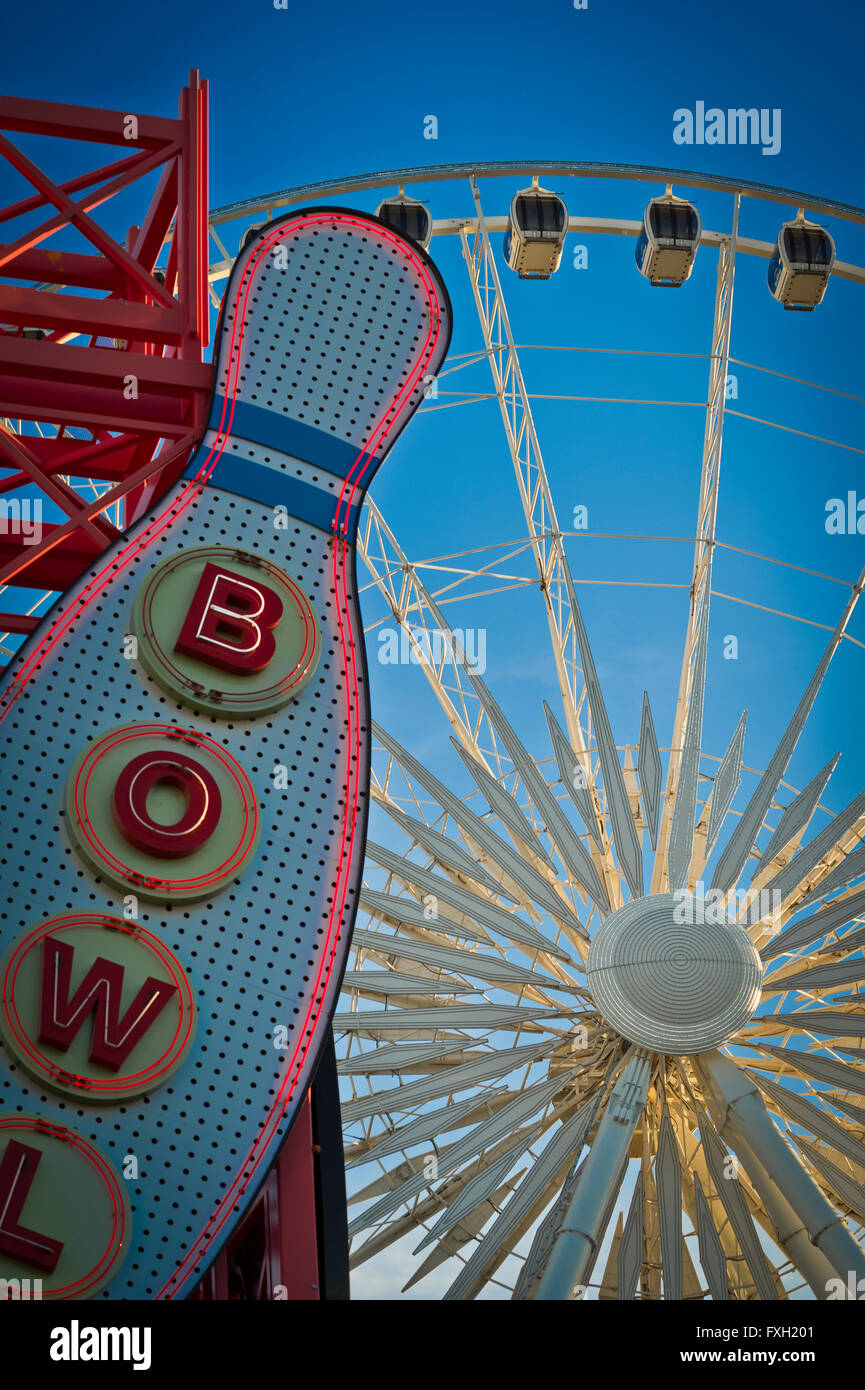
x: 308, y: 92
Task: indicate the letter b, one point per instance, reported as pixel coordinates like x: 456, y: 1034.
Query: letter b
x: 229, y: 622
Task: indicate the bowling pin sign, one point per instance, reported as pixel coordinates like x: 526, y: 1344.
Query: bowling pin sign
x: 184, y: 765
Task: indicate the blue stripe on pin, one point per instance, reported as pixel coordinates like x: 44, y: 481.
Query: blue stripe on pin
x: 259, y: 483
x: 292, y: 437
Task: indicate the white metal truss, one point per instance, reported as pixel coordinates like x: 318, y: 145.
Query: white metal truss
x: 554, y: 575
x: 693, y: 661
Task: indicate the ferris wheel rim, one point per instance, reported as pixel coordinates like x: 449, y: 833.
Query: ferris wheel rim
x: 438, y: 173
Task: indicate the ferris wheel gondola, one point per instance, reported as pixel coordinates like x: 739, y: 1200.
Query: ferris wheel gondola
x: 667, y: 246
x: 536, y: 233
x: 408, y: 217
x: 800, y: 268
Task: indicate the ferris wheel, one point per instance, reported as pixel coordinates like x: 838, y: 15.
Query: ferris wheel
x: 601, y: 1031
x: 569, y: 1068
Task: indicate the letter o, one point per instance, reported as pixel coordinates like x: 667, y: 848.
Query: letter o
x: 183, y: 846
x: 188, y: 776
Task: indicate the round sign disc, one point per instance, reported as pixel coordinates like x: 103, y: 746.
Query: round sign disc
x: 95, y: 1007
x: 67, y: 1221
x: 225, y: 631
x: 202, y: 853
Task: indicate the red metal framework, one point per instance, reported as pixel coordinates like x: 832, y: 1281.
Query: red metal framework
x: 102, y: 377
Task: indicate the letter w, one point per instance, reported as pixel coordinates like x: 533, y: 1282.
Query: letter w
x: 100, y: 991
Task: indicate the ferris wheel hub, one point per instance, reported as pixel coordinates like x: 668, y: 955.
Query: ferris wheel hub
x: 674, y: 985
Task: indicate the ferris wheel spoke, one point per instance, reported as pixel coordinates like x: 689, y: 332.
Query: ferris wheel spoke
x: 390, y: 984
x: 818, y: 979
x: 628, y: 1251
x: 575, y: 1248
x: 819, y: 1068
x: 490, y: 1066
x: 501, y: 803
x: 851, y: 942
x: 396, y: 1059
x: 786, y: 1225
x: 486, y: 1104
x: 546, y: 1235
x: 726, y: 784
x: 558, y: 827
x: 553, y: 570
x: 380, y: 1023
x: 739, y: 1278
x: 808, y: 866
x: 483, y: 911
x: 505, y: 807
x: 851, y: 866
x: 514, y: 1110
x: 627, y: 843
x: 668, y: 1184
x: 801, y: 1111
x: 712, y: 1256
x: 420, y: 1130
x: 410, y: 604
x: 493, y: 970
x: 836, y: 1023
x: 526, y: 1203
x: 684, y: 807
x: 830, y: 918
x: 478, y: 1189
x: 399, y: 912
x: 518, y: 421
x: 855, y: 1112
x: 446, y: 853
x: 649, y: 771
x: 794, y: 821
x: 535, y: 881
x: 735, y: 1205
x: 427, y: 1208
x: 466, y: 1230
x: 574, y: 777
x: 740, y: 1111
x: 836, y: 1180
x: 739, y: 845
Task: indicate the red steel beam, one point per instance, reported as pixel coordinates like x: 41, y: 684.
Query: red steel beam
x: 93, y: 176
x: 298, y: 1233
x: 25, y: 561
x: 22, y: 623
x: 105, y: 461
x: 68, y: 404
x: 86, y: 123
x: 43, y: 361
x: 67, y: 268
x: 58, y: 492
x: 77, y: 215
x: 140, y: 390
x: 103, y: 317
